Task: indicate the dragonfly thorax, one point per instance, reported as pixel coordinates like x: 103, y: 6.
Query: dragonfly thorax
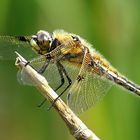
x: 41, y: 42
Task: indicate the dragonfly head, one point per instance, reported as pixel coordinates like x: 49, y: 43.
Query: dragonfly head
x: 41, y: 42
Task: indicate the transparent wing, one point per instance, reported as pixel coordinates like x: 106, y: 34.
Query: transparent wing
x: 87, y: 92
x: 10, y: 44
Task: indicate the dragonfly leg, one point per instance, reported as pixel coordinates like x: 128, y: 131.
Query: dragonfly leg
x: 62, y: 69
x: 62, y: 82
x: 43, y: 68
x: 61, y: 76
x: 27, y: 63
x: 37, y: 60
x: 42, y: 102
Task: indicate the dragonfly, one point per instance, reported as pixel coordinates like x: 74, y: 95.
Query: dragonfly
x: 70, y: 64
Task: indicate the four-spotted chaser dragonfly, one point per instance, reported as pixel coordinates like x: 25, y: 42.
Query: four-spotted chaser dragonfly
x: 70, y: 64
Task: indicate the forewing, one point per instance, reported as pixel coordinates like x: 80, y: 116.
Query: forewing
x: 10, y: 44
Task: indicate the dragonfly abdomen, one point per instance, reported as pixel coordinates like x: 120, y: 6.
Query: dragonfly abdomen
x: 123, y: 82
x: 103, y: 68
x: 127, y: 84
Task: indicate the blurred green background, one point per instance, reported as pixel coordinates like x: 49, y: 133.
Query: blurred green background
x: 113, y: 26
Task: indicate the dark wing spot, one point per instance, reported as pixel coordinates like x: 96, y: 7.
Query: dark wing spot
x: 22, y: 38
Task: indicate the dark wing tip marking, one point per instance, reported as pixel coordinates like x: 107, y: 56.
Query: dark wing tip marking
x: 23, y: 38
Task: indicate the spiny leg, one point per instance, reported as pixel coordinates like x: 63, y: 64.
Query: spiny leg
x: 62, y: 82
x: 61, y: 67
x: 43, y: 68
x: 37, y: 60
x: 42, y: 102
x: 61, y: 76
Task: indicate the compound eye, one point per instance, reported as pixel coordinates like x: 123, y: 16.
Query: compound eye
x: 43, y: 36
x: 41, y: 42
